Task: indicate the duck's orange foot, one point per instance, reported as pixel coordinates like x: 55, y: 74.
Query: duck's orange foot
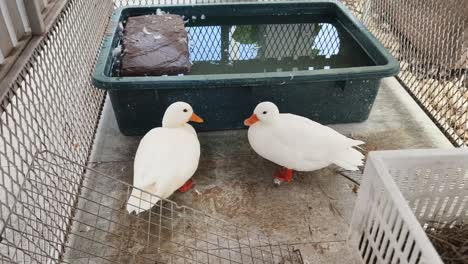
x: 283, y: 175
x: 187, y: 186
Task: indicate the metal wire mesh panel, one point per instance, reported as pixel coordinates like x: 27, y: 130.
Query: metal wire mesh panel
x: 37, y: 225
x: 51, y: 105
x: 55, y: 193
x: 429, y: 38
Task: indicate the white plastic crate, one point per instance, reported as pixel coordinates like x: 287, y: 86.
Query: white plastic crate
x: 401, y: 192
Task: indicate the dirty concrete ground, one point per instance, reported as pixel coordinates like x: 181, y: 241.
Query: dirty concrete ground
x: 311, y: 213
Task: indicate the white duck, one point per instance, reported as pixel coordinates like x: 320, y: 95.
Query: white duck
x: 166, y: 159
x: 298, y: 143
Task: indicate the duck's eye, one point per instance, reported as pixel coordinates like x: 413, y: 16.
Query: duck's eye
x: 264, y: 112
x: 185, y: 110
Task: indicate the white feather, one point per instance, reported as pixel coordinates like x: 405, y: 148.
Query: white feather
x: 166, y: 158
x: 301, y: 144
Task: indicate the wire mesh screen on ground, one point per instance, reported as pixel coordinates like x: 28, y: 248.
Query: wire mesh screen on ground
x: 63, y: 214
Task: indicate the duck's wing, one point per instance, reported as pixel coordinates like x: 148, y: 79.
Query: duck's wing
x: 161, y: 158
x: 159, y: 166
x: 311, y: 140
x: 150, y: 157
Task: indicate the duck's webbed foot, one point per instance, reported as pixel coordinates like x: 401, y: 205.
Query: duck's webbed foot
x: 187, y: 186
x: 283, y: 175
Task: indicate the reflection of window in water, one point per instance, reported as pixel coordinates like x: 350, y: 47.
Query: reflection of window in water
x: 205, y: 43
x: 327, y: 40
x: 291, y: 40
x: 277, y: 41
x: 243, y: 51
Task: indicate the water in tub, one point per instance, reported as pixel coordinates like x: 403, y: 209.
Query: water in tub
x: 255, y: 44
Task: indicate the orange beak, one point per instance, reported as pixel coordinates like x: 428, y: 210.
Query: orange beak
x: 251, y: 120
x: 196, y: 118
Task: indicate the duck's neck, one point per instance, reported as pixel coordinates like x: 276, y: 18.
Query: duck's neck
x: 168, y: 123
x: 184, y: 127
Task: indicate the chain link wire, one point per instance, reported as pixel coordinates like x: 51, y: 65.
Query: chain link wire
x: 52, y: 106
x: 430, y: 39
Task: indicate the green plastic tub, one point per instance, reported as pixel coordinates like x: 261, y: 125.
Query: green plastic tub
x: 311, y: 58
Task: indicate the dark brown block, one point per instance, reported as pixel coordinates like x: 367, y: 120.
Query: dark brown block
x: 155, y: 45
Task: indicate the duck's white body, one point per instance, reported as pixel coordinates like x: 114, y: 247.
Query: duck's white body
x: 166, y: 159
x: 301, y: 144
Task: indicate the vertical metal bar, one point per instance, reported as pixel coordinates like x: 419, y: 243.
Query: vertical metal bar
x: 13, y: 10
x: 225, y: 44
x: 6, y: 44
x: 24, y: 17
x: 40, y: 3
x: 5, y: 13
x: 34, y: 13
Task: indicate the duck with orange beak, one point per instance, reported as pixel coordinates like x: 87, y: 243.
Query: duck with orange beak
x: 298, y: 144
x: 166, y: 159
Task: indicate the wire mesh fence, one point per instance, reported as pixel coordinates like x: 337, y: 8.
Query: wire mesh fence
x: 50, y: 105
x: 430, y: 39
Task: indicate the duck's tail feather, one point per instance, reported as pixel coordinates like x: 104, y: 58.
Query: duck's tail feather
x: 356, y: 143
x: 350, y: 159
x: 140, y: 201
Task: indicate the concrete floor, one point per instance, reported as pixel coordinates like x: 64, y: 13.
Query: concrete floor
x: 312, y: 213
